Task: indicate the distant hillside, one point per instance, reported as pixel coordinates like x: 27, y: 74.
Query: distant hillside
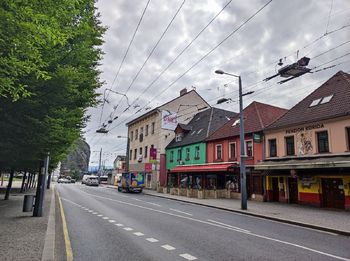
x: 78, y: 159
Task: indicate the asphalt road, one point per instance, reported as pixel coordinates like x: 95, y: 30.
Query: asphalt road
x: 104, y: 224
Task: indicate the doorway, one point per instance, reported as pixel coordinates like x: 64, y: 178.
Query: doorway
x: 293, y: 190
x: 333, y: 193
x: 275, y: 189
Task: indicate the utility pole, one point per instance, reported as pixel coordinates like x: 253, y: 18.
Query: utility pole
x: 99, y: 166
x: 40, y: 190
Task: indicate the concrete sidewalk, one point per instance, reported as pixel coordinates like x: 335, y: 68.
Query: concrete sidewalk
x: 336, y: 221
x: 22, y: 236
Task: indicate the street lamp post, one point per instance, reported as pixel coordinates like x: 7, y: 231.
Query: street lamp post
x: 242, y: 169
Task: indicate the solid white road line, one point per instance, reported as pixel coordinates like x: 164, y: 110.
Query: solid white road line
x: 217, y: 222
x: 139, y: 234
x: 188, y: 256
x: 179, y: 211
x: 152, y: 240
x: 168, y: 247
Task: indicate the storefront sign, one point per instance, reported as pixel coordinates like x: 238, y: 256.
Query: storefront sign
x: 306, y: 128
x: 169, y: 120
x: 257, y: 137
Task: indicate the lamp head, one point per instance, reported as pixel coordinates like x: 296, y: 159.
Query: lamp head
x: 219, y: 72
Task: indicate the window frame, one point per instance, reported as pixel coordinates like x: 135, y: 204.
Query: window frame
x: 179, y: 155
x: 326, y: 142
x: 136, y: 134
x: 146, y: 152
x: 187, y: 152
x: 146, y: 130
x: 152, y: 127
x: 171, y: 156
x: 230, y: 151
x: 216, y: 152
x: 131, y: 135
x: 135, y: 154
x: 270, y: 142
x: 197, y: 152
x: 293, y: 147
x: 246, y: 148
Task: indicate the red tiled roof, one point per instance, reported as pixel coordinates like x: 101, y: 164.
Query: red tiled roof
x: 338, y: 86
x: 257, y: 116
x: 203, y: 168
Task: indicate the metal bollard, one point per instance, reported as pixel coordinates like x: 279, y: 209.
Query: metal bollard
x: 28, y: 203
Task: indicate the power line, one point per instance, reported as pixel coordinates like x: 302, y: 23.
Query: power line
x: 126, y: 53
x: 153, y: 49
x: 213, y: 49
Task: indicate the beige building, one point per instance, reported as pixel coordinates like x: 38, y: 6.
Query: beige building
x: 308, y: 149
x: 150, y: 133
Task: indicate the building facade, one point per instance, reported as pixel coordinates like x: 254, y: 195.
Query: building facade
x: 150, y: 133
x: 186, y: 155
x: 308, y: 149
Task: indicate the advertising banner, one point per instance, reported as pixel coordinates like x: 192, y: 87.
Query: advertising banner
x: 169, y: 120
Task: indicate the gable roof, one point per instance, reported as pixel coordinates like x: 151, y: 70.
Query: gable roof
x: 157, y: 109
x: 337, y: 87
x: 257, y: 116
x: 202, y: 125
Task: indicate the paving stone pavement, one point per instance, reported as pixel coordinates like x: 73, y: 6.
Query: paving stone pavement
x: 22, y: 236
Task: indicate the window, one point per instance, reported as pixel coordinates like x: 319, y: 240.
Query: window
x: 348, y: 137
x: 249, y: 148
x: 218, y: 152
x: 290, y: 151
x: 152, y: 128
x: 140, y: 151
x: 146, y: 151
x: 131, y: 135
x: 178, y: 137
x: 179, y: 158
x: 196, y: 153
x: 172, y: 156
x: 141, y: 130
x: 146, y: 131
x: 187, y: 153
x: 272, y: 148
x: 130, y: 157
x: 135, y: 154
x: 322, y: 141
x: 232, y: 150
x: 326, y: 99
x: 136, y: 134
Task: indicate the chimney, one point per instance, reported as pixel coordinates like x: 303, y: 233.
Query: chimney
x: 183, y: 91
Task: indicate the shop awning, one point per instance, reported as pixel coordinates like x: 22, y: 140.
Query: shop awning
x: 205, y: 167
x: 310, y: 163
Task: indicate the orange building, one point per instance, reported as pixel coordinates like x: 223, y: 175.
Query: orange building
x: 307, y: 151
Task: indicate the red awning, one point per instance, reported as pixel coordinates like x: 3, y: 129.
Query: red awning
x: 204, y: 168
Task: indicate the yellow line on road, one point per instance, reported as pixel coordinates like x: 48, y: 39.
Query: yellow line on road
x: 69, y: 251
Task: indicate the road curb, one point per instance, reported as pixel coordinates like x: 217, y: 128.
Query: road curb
x: 49, y: 244
x: 292, y: 222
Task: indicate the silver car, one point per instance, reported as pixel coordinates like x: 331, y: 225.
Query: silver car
x: 91, y: 181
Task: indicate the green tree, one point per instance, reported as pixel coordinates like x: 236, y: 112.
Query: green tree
x: 48, y: 75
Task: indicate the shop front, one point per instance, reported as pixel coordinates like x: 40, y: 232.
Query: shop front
x: 314, y: 182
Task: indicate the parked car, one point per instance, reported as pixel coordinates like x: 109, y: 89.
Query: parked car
x: 85, y: 177
x: 91, y: 181
x: 63, y: 180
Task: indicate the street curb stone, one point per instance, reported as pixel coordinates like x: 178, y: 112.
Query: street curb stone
x: 49, y: 245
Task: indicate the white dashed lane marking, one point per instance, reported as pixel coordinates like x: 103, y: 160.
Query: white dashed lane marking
x: 105, y: 217
x: 188, y: 256
x: 95, y: 213
x: 100, y: 215
x: 179, y: 211
x: 168, y: 247
x: 111, y: 221
x: 152, y: 240
x: 119, y: 225
x: 128, y: 228
x: 139, y: 234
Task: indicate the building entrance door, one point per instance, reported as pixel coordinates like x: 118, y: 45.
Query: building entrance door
x: 148, y: 180
x: 333, y: 193
x: 293, y: 190
x: 275, y: 190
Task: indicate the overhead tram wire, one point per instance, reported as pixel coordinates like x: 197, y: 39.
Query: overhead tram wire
x: 150, y: 54
x: 213, y: 49
x: 182, y: 51
x: 126, y: 53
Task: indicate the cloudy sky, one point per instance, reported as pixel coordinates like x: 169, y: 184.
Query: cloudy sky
x: 180, y: 44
